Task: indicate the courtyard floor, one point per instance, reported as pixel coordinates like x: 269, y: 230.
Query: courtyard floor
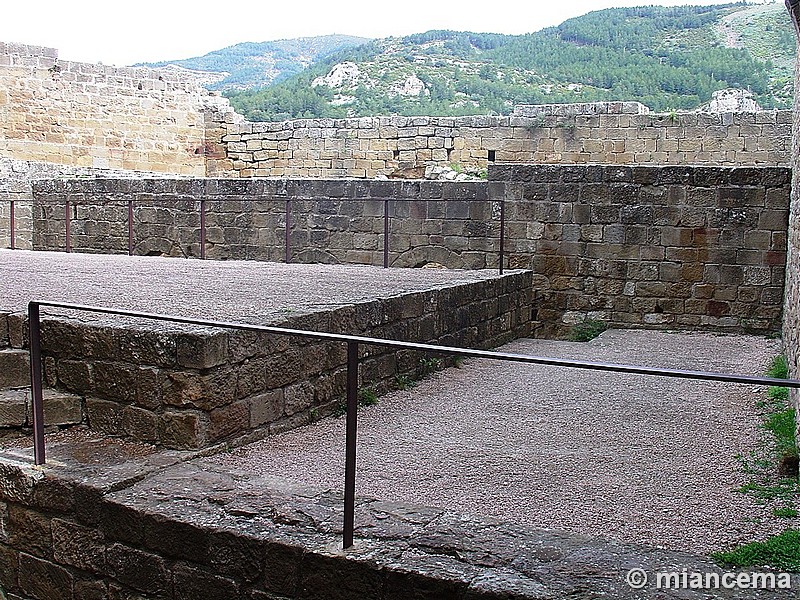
x: 638, y: 459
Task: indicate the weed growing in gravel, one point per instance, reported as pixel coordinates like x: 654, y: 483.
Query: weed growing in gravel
x: 779, y: 368
x: 780, y: 420
x: 779, y: 448
x: 403, y: 382
x: 588, y: 330
x: 367, y: 397
x: 429, y: 365
x: 779, y: 552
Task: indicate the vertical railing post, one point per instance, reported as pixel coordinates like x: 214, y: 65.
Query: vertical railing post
x: 67, y: 228
x: 202, y: 228
x: 386, y: 233
x: 287, y: 244
x: 502, y: 233
x: 350, y: 445
x: 130, y: 227
x: 12, y: 225
x: 35, y: 340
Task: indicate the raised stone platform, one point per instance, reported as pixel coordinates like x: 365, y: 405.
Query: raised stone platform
x: 191, y: 387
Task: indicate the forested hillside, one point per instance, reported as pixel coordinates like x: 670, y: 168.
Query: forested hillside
x: 666, y: 58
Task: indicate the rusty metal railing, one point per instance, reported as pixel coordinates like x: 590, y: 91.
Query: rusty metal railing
x: 287, y: 216
x: 353, y: 342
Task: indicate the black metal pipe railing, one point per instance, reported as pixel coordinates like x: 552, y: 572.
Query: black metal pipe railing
x: 12, y: 225
x: 202, y: 229
x: 386, y: 233
x: 353, y: 342
x: 130, y: 227
x: 287, y: 248
x: 67, y: 232
x: 287, y: 233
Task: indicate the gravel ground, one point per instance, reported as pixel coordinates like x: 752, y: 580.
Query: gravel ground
x: 639, y: 459
x: 246, y: 291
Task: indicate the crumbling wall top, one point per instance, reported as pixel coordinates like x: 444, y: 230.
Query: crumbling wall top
x: 581, y: 108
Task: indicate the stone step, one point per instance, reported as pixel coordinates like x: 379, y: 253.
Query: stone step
x: 15, y: 368
x: 60, y: 408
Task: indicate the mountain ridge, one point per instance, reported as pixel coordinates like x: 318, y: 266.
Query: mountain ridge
x: 669, y: 58
x: 255, y: 64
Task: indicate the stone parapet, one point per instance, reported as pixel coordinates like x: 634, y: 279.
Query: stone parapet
x: 91, y: 115
x: 634, y: 246
x: 583, y: 108
x: 605, y: 133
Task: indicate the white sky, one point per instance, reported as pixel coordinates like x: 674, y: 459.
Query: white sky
x: 121, y: 33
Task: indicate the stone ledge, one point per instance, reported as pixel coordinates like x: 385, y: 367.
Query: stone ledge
x: 249, y: 537
x: 581, y: 108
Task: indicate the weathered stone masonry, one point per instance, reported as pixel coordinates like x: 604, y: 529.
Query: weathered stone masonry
x: 16, y: 183
x: 115, y: 529
x: 634, y: 246
x: 604, y: 133
x: 86, y: 115
x: 332, y: 221
x: 646, y: 246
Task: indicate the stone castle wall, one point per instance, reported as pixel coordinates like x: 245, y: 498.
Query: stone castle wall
x: 791, y: 325
x: 142, y: 119
x: 600, y: 133
x: 690, y: 247
x: 86, y: 115
x: 634, y: 246
x: 17, y: 178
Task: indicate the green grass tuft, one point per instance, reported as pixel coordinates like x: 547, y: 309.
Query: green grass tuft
x: 588, y: 330
x: 778, y: 552
x: 785, y: 512
x: 779, y: 368
x: 429, y: 365
x: 367, y: 397
x: 782, y: 425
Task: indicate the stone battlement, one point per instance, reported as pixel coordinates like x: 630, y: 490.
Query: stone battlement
x: 91, y: 115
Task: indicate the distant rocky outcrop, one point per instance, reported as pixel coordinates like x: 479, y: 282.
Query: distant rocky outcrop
x: 345, y: 75
x: 731, y: 100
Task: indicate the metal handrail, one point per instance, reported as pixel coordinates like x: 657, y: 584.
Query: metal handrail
x: 288, y: 215
x: 353, y: 342
x: 12, y: 227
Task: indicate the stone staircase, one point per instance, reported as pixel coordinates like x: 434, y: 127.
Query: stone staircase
x: 16, y: 407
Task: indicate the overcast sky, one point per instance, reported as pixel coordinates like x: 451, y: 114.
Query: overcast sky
x: 122, y: 33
